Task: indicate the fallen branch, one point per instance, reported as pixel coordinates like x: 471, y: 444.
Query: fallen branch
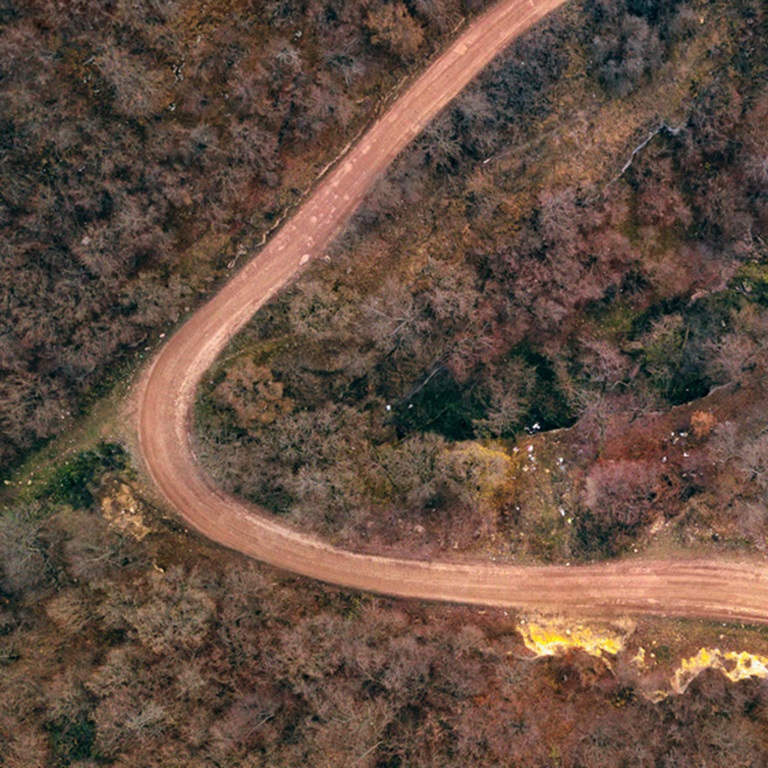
x: 663, y: 128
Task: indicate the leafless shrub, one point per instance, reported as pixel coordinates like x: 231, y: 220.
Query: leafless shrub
x: 139, y: 90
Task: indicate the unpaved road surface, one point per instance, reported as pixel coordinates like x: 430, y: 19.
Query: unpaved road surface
x: 722, y: 590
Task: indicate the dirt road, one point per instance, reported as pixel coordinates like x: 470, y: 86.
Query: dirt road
x: 167, y: 392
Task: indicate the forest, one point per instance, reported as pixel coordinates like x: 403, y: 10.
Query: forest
x: 541, y: 339
x: 147, y: 145
x: 528, y: 343
x: 163, y: 650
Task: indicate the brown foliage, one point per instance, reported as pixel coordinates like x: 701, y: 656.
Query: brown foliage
x: 159, y: 124
x: 392, y: 26
x: 619, y: 498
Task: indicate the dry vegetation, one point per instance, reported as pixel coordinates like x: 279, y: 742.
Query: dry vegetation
x: 528, y: 357
x: 167, y: 651
x: 497, y: 318
x: 146, y: 145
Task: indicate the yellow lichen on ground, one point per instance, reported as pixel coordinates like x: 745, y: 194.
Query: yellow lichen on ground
x: 735, y: 666
x: 554, y: 637
x: 489, y: 467
x: 551, y: 636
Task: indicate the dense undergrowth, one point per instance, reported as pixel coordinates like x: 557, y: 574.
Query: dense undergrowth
x: 129, y: 646
x: 147, y: 145
x: 518, y: 271
x: 486, y: 304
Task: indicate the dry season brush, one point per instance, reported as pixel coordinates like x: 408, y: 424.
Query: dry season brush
x: 735, y: 591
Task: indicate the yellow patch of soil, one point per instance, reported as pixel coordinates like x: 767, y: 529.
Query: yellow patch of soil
x: 553, y: 636
x: 123, y: 511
